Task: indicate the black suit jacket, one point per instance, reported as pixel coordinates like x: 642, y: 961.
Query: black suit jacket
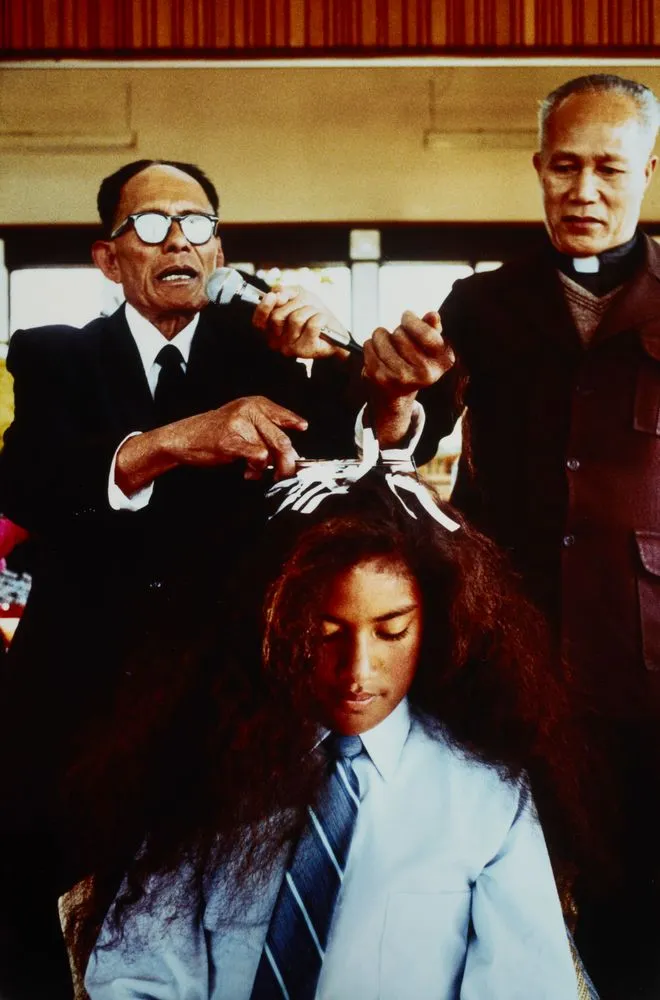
x: 105, y: 580
x: 108, y: 584
x: 79, y: 392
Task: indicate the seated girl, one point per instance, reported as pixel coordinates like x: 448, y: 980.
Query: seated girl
x: 340, y: 805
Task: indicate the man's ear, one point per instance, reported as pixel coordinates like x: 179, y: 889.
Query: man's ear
x: 105, y: 258
x: 536, y: 160
x: 220, y: 257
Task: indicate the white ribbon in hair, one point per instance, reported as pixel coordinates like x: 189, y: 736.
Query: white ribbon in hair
x: 397, y: 482
x: 313, y: 483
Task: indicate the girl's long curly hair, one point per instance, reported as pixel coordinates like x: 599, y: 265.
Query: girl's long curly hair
x: 206, y: 746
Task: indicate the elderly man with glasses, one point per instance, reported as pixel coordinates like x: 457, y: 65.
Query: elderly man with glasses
x: 132, y: 459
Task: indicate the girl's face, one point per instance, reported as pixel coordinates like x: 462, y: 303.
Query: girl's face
x: 371, y: 631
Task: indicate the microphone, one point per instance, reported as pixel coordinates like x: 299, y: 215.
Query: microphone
x: 227, y: 285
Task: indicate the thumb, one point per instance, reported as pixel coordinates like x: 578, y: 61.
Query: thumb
x: 433, y: 319
x: 284, y: 293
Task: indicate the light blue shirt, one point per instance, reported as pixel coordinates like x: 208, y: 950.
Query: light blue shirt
x: 448, y: 894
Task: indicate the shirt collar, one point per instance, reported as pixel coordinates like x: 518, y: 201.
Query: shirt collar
x: 605, y: 271
x: 384, y: 742
x: 149, y: 340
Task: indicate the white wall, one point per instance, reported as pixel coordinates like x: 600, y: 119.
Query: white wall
x: 283, y: 144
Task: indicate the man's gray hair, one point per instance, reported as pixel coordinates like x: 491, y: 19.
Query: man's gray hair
x: 643, y: 98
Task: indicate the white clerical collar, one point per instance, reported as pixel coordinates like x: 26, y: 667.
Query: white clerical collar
x: 586, y: 265
x: 149, y: 339
x: 384, y: 742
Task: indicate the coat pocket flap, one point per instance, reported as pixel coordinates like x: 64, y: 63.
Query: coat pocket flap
x: 648, y: 543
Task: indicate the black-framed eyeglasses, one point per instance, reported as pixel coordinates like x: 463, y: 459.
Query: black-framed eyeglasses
x: 153, y: 227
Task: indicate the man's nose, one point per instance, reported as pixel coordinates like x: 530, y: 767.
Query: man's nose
x: 175, y: 239
x: 585, y: 188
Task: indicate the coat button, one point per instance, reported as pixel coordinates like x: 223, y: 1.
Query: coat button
x: 573, y: 464
x: 568, y: 540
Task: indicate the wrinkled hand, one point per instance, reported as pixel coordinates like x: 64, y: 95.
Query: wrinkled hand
x: 250, y: 428
x: 292, y: 319
x: 412, y: 357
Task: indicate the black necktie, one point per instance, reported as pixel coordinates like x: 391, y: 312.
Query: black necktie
x: 169, y: 397
x: 298, y: 932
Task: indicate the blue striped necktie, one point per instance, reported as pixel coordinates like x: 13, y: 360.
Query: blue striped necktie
x: 298, y: 932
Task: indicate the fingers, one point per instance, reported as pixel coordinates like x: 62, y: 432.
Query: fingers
x: 279, y: 451
x: 424, y: 335
x: 410, y: 358
x: 292, y: 319
x: 433, y: 319
x: 279, y: 415
x: 271, y: 301
x: 275, y: 448
x: 252, y: 428
x: 256, y: 460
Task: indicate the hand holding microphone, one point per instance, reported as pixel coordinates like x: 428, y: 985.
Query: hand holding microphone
x: 294, y: 320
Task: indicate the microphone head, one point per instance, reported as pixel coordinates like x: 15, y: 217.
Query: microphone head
x: 224, y: 285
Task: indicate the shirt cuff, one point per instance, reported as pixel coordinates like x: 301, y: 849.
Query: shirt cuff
x: 116, y: 497
x: 405, y: 452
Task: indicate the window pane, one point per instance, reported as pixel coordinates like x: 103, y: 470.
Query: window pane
x: 332, y: 284
x: 73, y: 295
x: 420, y: 287
x: 423, y: 287
x: 487, y: 265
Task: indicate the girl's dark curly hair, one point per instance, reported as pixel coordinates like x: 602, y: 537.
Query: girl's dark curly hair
x: 206, y: 746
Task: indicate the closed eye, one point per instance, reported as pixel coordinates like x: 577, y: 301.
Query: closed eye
x: 394, y: 636
x: 563, y: 168
x: 331, y: 636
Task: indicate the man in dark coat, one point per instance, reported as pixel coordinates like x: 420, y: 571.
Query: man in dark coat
x: 558, y: 366
x: 136, y: 477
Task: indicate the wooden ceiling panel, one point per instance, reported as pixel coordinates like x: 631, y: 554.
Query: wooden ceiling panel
x: 190, y: 29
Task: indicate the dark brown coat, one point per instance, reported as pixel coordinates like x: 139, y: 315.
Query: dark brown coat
x: 563, y: 460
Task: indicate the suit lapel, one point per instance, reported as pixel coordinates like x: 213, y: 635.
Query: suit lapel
x: 542, y: 305
x: 210, y: 377
x: 207, y: 361
x: 122, y: 374
x: 222, y: 365
x: 638, y: 304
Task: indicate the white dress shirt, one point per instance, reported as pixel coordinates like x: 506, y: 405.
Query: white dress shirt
x: 448, y: 894
x: 149, y: 342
